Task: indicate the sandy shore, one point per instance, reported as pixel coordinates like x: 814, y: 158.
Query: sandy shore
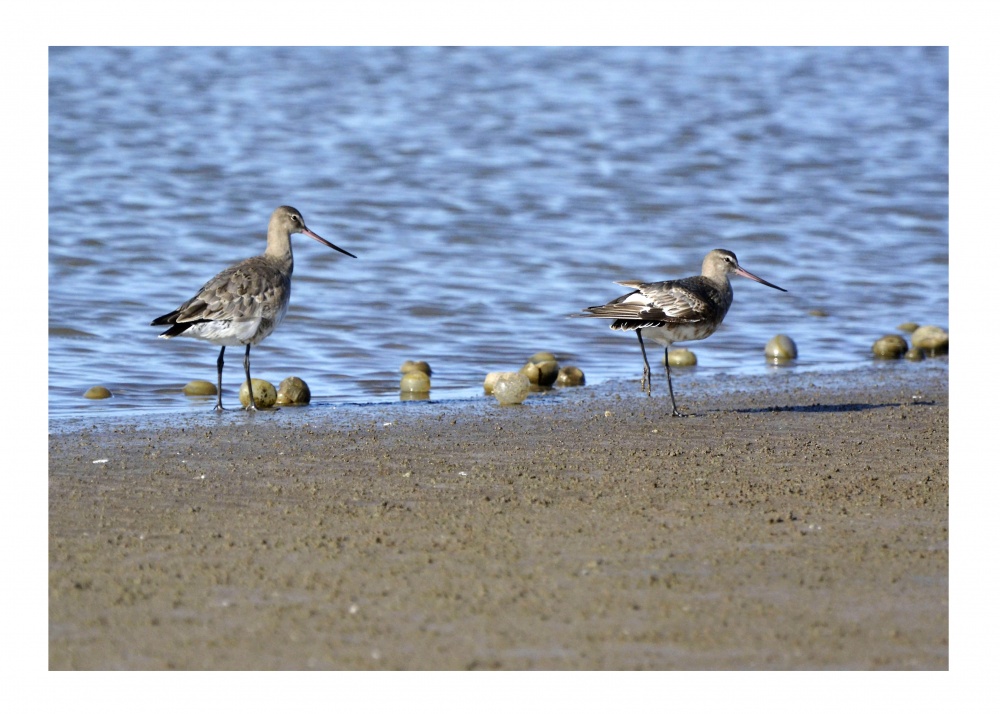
x: 793, y: 521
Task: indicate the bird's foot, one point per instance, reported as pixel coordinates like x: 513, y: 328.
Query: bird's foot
x: 677, y: 413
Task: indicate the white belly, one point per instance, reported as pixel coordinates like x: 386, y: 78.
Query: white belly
x: 232, y: 333
x: 668, y: 334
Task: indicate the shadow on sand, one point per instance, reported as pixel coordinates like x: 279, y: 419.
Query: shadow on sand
x: 830, y: 408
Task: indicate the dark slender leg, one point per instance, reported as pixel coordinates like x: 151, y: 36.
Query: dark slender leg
x: 666, y: 363
x: 647, y: 378
x: 246, y: 366
x: 218, y: 403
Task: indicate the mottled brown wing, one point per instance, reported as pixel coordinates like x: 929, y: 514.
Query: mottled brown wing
x: 244, y: 291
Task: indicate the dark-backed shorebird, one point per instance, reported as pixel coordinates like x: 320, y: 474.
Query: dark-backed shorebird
x: 245, y: 302
x: 676, y: 310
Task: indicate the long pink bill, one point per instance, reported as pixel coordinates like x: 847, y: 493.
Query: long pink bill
x: 325, y: 242
x: 748, y: 274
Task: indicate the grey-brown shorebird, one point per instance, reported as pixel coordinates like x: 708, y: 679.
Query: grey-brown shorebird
x: 676, y: 310
x: 245, y: 302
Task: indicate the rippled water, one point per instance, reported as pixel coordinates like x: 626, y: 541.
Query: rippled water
x: 488, y: 193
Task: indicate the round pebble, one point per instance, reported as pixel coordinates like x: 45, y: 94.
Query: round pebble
x: 781, y: 348
x: 542, y: 374
x: 415, y: 382
x: 819, y: 312
x: 570, y: 376
x: 293, y: 392
x: 548, y: 372
x: 491, y: 379
x: 199, y: 388
x: 97, y: 392
x: 415, y: 366
x: 682, y: 358
x: 907, y: 327
x: 264, y: 394
x: 531, y: 371
x: 914, y: 354
x: 889, y: 347
x: 511, y: 388
x: 931, y: 339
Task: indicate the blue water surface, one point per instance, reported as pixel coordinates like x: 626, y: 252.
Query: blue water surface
x: 488, y: 193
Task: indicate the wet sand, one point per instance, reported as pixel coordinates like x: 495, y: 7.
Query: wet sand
x: 793, y: 521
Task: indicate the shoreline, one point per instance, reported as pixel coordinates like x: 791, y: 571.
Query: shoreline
x: 792, y: 521
x: 690, y: 387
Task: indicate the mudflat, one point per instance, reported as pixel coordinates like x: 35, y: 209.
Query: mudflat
x: 794, y: 521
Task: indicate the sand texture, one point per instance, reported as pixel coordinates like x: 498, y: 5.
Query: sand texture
x: 788, y: 522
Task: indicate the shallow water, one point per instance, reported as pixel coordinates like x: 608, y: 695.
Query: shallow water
x: 488, y: 193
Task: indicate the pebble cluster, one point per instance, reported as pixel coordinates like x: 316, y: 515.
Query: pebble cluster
x: 540, y: 372
x: 927, y: 341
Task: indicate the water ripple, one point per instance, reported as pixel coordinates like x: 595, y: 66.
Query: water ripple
x: 488, y: 193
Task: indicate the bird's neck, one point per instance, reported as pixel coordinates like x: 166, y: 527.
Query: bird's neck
x: 726, y: 292
x: 724, y: 289
x: 279, y: 248
x: 281, y: 259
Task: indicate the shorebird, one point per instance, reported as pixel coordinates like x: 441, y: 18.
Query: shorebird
x: 245, y: 302
x: 676, y: 310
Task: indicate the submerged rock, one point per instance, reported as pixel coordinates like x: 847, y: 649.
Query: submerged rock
x: 97, y: 392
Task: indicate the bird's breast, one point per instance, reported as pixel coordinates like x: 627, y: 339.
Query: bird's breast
x: 680, y: 332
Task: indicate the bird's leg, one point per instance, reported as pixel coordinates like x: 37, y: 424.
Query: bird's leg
x: 647, y: 379
x: 218, y: 402
x: 246, y: 366
x: 666, y: 363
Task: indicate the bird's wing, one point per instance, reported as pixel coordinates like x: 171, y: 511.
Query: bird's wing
x: 673, y: 301
x: 245, y: 291
x: 652, y: 304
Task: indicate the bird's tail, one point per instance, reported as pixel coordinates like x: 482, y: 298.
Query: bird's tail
x: 176, y: 328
